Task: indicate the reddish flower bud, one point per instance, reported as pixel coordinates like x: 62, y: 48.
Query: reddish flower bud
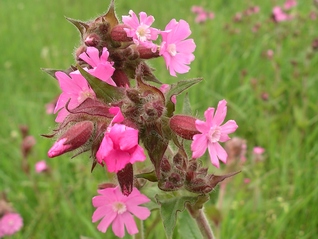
x: 76, y: 136
x: 147, y: 53
x: 92, y: 40
x: 165, y: 165
x: 119, y: 34
x: 120, y: 78
x: 184, y: 126
x: 126, y: 179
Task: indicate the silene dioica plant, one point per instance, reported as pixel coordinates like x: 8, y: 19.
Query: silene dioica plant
x: 113, y: 106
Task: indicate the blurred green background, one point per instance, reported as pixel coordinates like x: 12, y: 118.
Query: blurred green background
x: 273, y: 100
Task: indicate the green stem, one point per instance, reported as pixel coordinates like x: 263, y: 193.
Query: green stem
x: 140, y: 234
x: 201, y: 220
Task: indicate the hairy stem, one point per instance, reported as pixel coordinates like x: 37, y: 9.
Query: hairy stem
x: 202, y: 222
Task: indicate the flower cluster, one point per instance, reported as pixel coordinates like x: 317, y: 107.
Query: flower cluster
x: 109, y: 107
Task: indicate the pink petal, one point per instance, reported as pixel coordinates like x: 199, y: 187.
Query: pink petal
x: 221, y: 153
x: 140, y: 212
x: 199, y: 145
x: 138, y: 155
x: 129, y: 223
x: 128, y: 139
x: 106, y: 221
x: 116, y: 160
x: 220, y: 113
x: 186, y: 46
x: 213, y: 154
x: 119, y: 226
x: 202, y: 126
x: 229, y: 127
x: 208, y: 114
x: 101, y: 212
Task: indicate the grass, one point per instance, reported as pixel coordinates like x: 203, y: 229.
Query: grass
x: 280, y: 201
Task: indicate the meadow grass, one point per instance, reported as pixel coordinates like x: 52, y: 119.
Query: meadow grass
x: 281, y: 199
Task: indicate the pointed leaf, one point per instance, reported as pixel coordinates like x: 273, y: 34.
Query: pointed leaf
x: 150, y: 176
x: 103, y: 91
x: 81, y: 26
x: 169, y: 208
x: 110, y: 16
x: 177, y: 89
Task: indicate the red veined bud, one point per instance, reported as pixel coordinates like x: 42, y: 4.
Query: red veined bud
x: 184, y: 126
x: 119, y: 34
x: 76, y: 136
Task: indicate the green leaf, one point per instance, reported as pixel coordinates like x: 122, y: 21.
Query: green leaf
x: 150, y: 176
x: 177, y: 89
x: 169, y: 207
x: 186, y: 109
x: 187, y: 227
x: 103, y: 91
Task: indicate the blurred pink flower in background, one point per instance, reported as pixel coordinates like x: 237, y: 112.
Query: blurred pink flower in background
x: 175, y: 48
x: 247, y: 180
x: 258, y: 150
x: 201, y: 14
x: 290, y: 4
x: 212, y: 132
x: 269, y: 53
x: 10, y: 223
x: 112, y: 207
x: 279, y: 15
x: 41, y: 166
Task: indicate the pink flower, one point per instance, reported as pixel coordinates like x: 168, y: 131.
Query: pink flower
x: 102, y: 68
x: 289, y: 4
x: 279, y: 15
x: 75, y: 88
x: 120, y: 147
x: 258, y: 150
x: 140, y: 31
x: 41, y: 166
x: 117, y: 209
x: 10, y: 223
x: 212, y: 133
x: 177, y: 51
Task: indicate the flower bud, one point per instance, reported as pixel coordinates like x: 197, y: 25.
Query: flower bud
x: 126, y: 179
x: 146, y: 52
x: 76, y: 136
x: 119, y: 34
x: 184, y: 126
x: 165, y: 165
x: 92, y: 40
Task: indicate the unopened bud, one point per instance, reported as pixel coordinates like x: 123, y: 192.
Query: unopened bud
x: 73, y: 138
x: 199, y: 185
x: 147, y: 53
x: 92, y: 40
x: 184, y: 126
x: 165, y: 165
x: 119, y: 34
x: 126, y: 179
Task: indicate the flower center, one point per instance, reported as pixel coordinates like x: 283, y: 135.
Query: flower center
x: 119, y: 207
x: 142, y: 33
x: 214, y: 134
x: 84, y: 95
x: 172, y: 49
